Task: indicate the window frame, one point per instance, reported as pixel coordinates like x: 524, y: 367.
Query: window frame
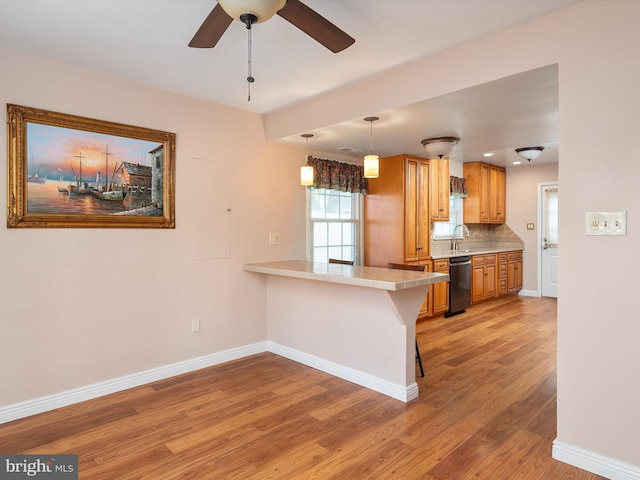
x: 357, y: 210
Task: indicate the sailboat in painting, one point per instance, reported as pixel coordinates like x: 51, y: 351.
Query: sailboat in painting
x: 35, y: 178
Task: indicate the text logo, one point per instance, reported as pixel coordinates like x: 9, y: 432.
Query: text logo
x: 39, y: 467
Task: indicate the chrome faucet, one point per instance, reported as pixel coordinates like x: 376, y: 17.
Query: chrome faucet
x: 454, y: 244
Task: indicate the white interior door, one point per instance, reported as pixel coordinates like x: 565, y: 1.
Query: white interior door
x: 549, y: 240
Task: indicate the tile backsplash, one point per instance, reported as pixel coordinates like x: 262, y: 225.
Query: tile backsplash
x: 481, y: 236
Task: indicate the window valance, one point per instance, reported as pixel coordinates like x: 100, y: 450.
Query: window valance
x: 458, y: 186
x: 336, y: 175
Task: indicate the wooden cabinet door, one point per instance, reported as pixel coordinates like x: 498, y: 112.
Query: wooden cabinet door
x: 416, y: 213
x: 411, y: 217
x: 486, y: 185
x: 514, y: 273
x: 424, y: 225
x: 490, y: 280
x: 440, y: 291
x: 477, y: 283
x: 425, y: 309
x: 518, y: 275
x: 497, y: 195
x: 484, y: 277
x: 511, y: 276
x: 485, y: 200
x: 440, y: 189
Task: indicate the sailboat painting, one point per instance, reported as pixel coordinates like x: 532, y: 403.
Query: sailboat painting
x: 70, y: 171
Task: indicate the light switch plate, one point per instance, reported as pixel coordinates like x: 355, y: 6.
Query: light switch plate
x: 606, y: 223
x: 274, y: 238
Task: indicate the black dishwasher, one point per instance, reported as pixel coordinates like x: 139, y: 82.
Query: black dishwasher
x: 459, y: 285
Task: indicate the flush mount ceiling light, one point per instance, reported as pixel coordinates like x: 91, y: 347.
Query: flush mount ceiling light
x: 439, y: 146
x: 371, y: 161
x: 529, y: 153
x: 306, y: 171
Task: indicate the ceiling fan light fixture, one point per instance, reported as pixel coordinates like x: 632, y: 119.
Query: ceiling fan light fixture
x: 439, y: 147
x: 262, y: 9
x: 529, y: 153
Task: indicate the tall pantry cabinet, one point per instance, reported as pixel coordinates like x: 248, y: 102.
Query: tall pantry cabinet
x: 396, y: 213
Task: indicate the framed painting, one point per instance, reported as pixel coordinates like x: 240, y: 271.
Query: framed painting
x: 76, y: 172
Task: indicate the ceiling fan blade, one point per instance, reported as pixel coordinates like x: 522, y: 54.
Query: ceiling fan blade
x: 211, y: 29
x: 315, y: 25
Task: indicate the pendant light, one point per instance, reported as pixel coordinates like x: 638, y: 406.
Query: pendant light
x: 371, y: 161
x: 306, y: 171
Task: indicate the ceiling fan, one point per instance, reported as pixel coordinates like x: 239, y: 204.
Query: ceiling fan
x: 250, y: 12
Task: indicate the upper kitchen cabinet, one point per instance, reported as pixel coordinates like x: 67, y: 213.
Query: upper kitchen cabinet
x: 440, y: 189
x: 396, y: 212
x: 486, y: 188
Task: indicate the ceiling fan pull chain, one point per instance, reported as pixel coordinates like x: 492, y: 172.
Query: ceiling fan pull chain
x: 250, y: 78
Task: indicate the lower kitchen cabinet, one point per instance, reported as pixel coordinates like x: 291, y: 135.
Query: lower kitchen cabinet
x: 484, y: 277
x: 426, y: 309
x: 440, y: 291
x: 514, y: 272
x: 509, y: 273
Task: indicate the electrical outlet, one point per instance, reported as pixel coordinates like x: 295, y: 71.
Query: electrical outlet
x: 195, y: 325
x: 606, y: 223
x: 531, y: 226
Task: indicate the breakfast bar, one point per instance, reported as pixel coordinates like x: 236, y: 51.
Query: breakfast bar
x: 354, y: 322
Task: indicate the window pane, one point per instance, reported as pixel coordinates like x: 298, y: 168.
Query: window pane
x: 335, y: 234
x: 333, y: 225
x: 443, y: 230
x: 345, y: 206
x: 320, y: 233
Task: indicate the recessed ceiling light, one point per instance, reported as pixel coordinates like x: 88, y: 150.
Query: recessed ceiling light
x: 488, y: 154
x: 517, y: 162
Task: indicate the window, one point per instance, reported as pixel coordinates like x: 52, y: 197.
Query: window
x: 442, y: 230
x: 334, y: 226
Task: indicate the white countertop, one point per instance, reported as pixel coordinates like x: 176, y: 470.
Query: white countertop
x: 436, y: 255
x: 371, y: 277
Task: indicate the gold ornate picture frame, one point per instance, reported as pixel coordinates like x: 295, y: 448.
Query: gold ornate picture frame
x: 66, y: 171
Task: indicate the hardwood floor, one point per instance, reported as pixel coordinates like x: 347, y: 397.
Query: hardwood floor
x: 487, y: 410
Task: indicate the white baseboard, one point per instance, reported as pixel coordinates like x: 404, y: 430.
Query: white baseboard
x: 76, y: 395
x: 593, y: 462
x: 399, y: 392
x: 69, y: 397
x: 529, y: 293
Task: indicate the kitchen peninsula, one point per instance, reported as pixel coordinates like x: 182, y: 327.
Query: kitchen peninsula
x: 357, y: 323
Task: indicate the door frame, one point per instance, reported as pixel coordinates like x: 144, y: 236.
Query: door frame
x: 541, y: 187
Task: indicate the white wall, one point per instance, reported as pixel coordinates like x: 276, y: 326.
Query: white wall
x: 522, y: 203
x: 81, y: 306
x: 595, y: 45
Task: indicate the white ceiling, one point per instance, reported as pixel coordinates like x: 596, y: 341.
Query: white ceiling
x: 146, y: 41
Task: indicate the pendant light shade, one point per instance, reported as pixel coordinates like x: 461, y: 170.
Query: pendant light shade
x: 306, y: 175
x: 440, y: 146
x: 371, y: 166
x: 371, y: 161
x: 306, y: 171
x: 529, y: 153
